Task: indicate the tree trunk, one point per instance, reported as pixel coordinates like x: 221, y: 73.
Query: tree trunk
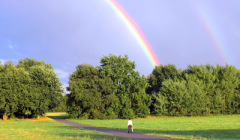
x: 5, y: 117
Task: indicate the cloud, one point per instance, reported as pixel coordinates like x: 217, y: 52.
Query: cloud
x: 14, y: 49
x: 3, y: 60
x: 64, y: 86
x: 7, y: 60
x: 10, y: 46
x: 61, y: 73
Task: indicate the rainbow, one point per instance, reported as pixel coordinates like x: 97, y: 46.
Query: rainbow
x: 135, y: 30
x: 213, y: 32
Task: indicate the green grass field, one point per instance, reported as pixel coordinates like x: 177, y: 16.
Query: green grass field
x: 48, y: 129
x: 208, y: 127
x: 202, y: 127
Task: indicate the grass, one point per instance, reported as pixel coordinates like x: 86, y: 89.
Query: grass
x: 48, y: 129
x: 223, y: 127
x: 59, y: 115
x: 201, y: 127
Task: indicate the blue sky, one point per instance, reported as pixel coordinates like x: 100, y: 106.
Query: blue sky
x: 67, y: 33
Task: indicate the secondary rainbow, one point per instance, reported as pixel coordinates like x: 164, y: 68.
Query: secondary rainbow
x: 213, y: 32
x: 135, y: 30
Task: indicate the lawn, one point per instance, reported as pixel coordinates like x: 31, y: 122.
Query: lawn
x: 221, y: 127
x: 48, y: 129
x: 201, y: 127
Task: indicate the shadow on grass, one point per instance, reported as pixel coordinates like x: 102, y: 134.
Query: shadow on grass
x: 87, y: 134
x: 233, y: 134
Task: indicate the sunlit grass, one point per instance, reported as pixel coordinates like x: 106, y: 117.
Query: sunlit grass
x: 200, y: 127
x: 56, y: 114
x: 221, y: 127
x: 60, y: 115
x: 48, y: 129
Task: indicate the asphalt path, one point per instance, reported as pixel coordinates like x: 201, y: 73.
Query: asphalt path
x: 114, y: 132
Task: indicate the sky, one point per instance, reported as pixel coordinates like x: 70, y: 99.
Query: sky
x: 68, y: 33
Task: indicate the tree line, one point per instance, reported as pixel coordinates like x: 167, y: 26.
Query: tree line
x: 197, y: 90
x: 114, y: 89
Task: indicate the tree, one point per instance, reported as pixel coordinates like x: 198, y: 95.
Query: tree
x: 228, y: 83
x: 29, y: 89
x: 14, y: 85
x: 128, y: 86
x: 62, y: 107
x: 157, y: 77
x: 159, y: 74
x: 46, y: 91
x: 180, y: 97
x: 85, y: 98
x: 203, y: 76
x: 112, y: 90
x: 200, y: 90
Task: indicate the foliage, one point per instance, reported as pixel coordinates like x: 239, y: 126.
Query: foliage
x: 157, y: 77
x: 29, y: 89
x: 116, y: 90
x: 159, y: 74
x: 128, y: 86
x: 62, y: 106
x: 13, y: 88
x: 85, y: 99
x: 199, y: 90
x: 112, y: 90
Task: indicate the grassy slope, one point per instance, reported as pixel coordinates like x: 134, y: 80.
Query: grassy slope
x: 207, y: 127
x: 47, y: 129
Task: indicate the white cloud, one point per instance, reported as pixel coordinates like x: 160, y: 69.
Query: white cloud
x: 64, y: 86
x: 7, y: 60
x: 10, y: 46
x: 14, y: 48
x: 61, y: 73
x: 3, y: 61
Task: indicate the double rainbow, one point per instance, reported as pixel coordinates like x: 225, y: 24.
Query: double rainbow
x: 213, y: 32
x: 135, y: 30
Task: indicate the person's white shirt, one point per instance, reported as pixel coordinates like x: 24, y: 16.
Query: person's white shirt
x: 130, y: 122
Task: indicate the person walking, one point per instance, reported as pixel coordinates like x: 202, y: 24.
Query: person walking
x: 130, y: 126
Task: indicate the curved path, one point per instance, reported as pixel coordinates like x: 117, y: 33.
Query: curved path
x: 114, y: 132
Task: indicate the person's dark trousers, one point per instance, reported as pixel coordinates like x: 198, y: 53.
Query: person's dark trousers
x: 130, y: 129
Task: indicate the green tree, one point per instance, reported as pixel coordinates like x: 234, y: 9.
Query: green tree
x: 85, y: 98
x: 29, y: 89
x: 14, y: 85
x: 128, y: 86
x: 62, y: 107
x: 203, y: 76
x: 46, y: 91
x: 228, y: 83
x: 180, y: 97
x: 157, y: 77
x: 159, y: 74
x: 112, y: 90
x: 200, y: 90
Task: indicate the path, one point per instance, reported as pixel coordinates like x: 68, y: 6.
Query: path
x: 114, y: 132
